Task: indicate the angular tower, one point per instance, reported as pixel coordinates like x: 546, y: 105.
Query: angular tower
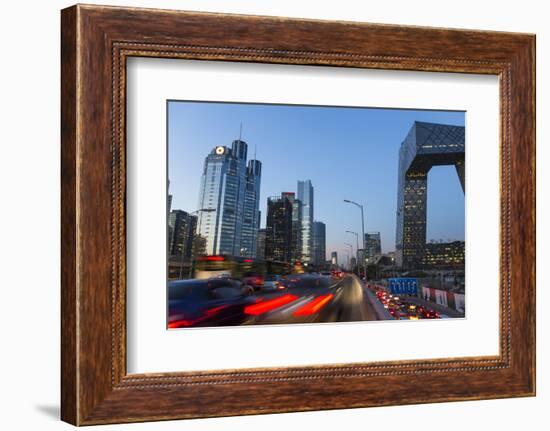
x: 426, y: 145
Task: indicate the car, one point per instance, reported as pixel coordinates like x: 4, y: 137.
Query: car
x: 207, y: 302
x: 273, y: 282
x: 337, y: 274
x: 255, y: 280
x: 430, y: 314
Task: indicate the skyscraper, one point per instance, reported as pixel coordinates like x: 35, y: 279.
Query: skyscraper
x: 278, y: 238
x: 305, y: 195
x: 334, y: 258
x: 425, y: 145
x: 373, y: 245
x: 296, y: 239
x: 229, y: 192
x: 182, y: 234
x: 251, y: 222
x: 319, y: 243
x: 260, y: 244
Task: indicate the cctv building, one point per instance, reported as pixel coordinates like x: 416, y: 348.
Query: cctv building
x: 229, y: 200
x: 426, y: 145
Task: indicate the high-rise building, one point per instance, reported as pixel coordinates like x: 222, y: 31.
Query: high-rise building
x: 296, y: 240
x: 305, y: 195
x: 169, y: 200
x: 278, y: 238
x: 260, y: 244
x: 168, y: 209
x: 425, y: 145
x: 362, y: 257
x: 373, y: 245
x: 182, y: 227
x: 319, y: 243
x: 251, y: 222
x: 334, y: 258
x: 229, y: 201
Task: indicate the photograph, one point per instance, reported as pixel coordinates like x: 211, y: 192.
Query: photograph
x: 282, y: 214
x: 272, y: 201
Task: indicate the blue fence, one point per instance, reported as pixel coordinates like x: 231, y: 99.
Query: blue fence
x: 403, y: 286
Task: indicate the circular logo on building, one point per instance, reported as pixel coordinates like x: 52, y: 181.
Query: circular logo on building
x: 220, y: 150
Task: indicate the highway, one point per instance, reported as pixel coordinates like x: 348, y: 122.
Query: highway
x: 296, y: 298
x: 317, y: 299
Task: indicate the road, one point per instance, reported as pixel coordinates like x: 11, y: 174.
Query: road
x: 296, y: 298
x: 317, y: 299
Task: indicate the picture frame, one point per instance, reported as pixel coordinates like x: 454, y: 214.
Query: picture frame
x: 96, y: 42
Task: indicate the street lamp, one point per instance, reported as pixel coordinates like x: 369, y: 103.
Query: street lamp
x: 362, y: 229
x: 205, y: 210
x: 357, y: 248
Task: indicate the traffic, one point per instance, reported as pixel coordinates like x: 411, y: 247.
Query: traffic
x: 401, y: 308
x: 226, y: 292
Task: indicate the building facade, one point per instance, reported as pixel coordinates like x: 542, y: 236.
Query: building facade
x: 278, y: 232
x: 425, y: 145
x: 444, y: 255
x: 334, y: 258
x: 228, y: 207
x: 319, y: 243
x: 296, y: 240
x: 373, y: 245
x: 251, y: 222
x: 182, y: 227
x: 305, y: 196
x: 260, y: 244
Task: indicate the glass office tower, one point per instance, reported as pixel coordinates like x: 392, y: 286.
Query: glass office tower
x: 182, y: 227
x: 305, y: 195
x: 319, y: 243
x: 228, y: 207
x: 278, y: 237
x: 373, y: 245
x: 251, y: 221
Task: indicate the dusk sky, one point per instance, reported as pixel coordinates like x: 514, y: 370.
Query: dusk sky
x: 347, y: 153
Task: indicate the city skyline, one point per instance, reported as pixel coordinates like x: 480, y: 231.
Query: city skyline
x: 370, y: 179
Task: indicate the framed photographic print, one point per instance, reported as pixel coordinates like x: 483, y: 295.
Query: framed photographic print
x: 332, y: 214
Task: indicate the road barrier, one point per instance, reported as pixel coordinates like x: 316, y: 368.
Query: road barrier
x: 444, y: 298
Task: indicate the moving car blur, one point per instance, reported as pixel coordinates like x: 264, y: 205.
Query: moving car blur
x: 227, y: 292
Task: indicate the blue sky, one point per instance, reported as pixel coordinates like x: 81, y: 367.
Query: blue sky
x: 347, y: 153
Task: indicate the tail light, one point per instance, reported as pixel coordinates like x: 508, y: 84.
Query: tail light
x: 314, y: 305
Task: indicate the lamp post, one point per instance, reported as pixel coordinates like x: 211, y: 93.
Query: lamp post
x: 362, y: 230
x: 206, y: 210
